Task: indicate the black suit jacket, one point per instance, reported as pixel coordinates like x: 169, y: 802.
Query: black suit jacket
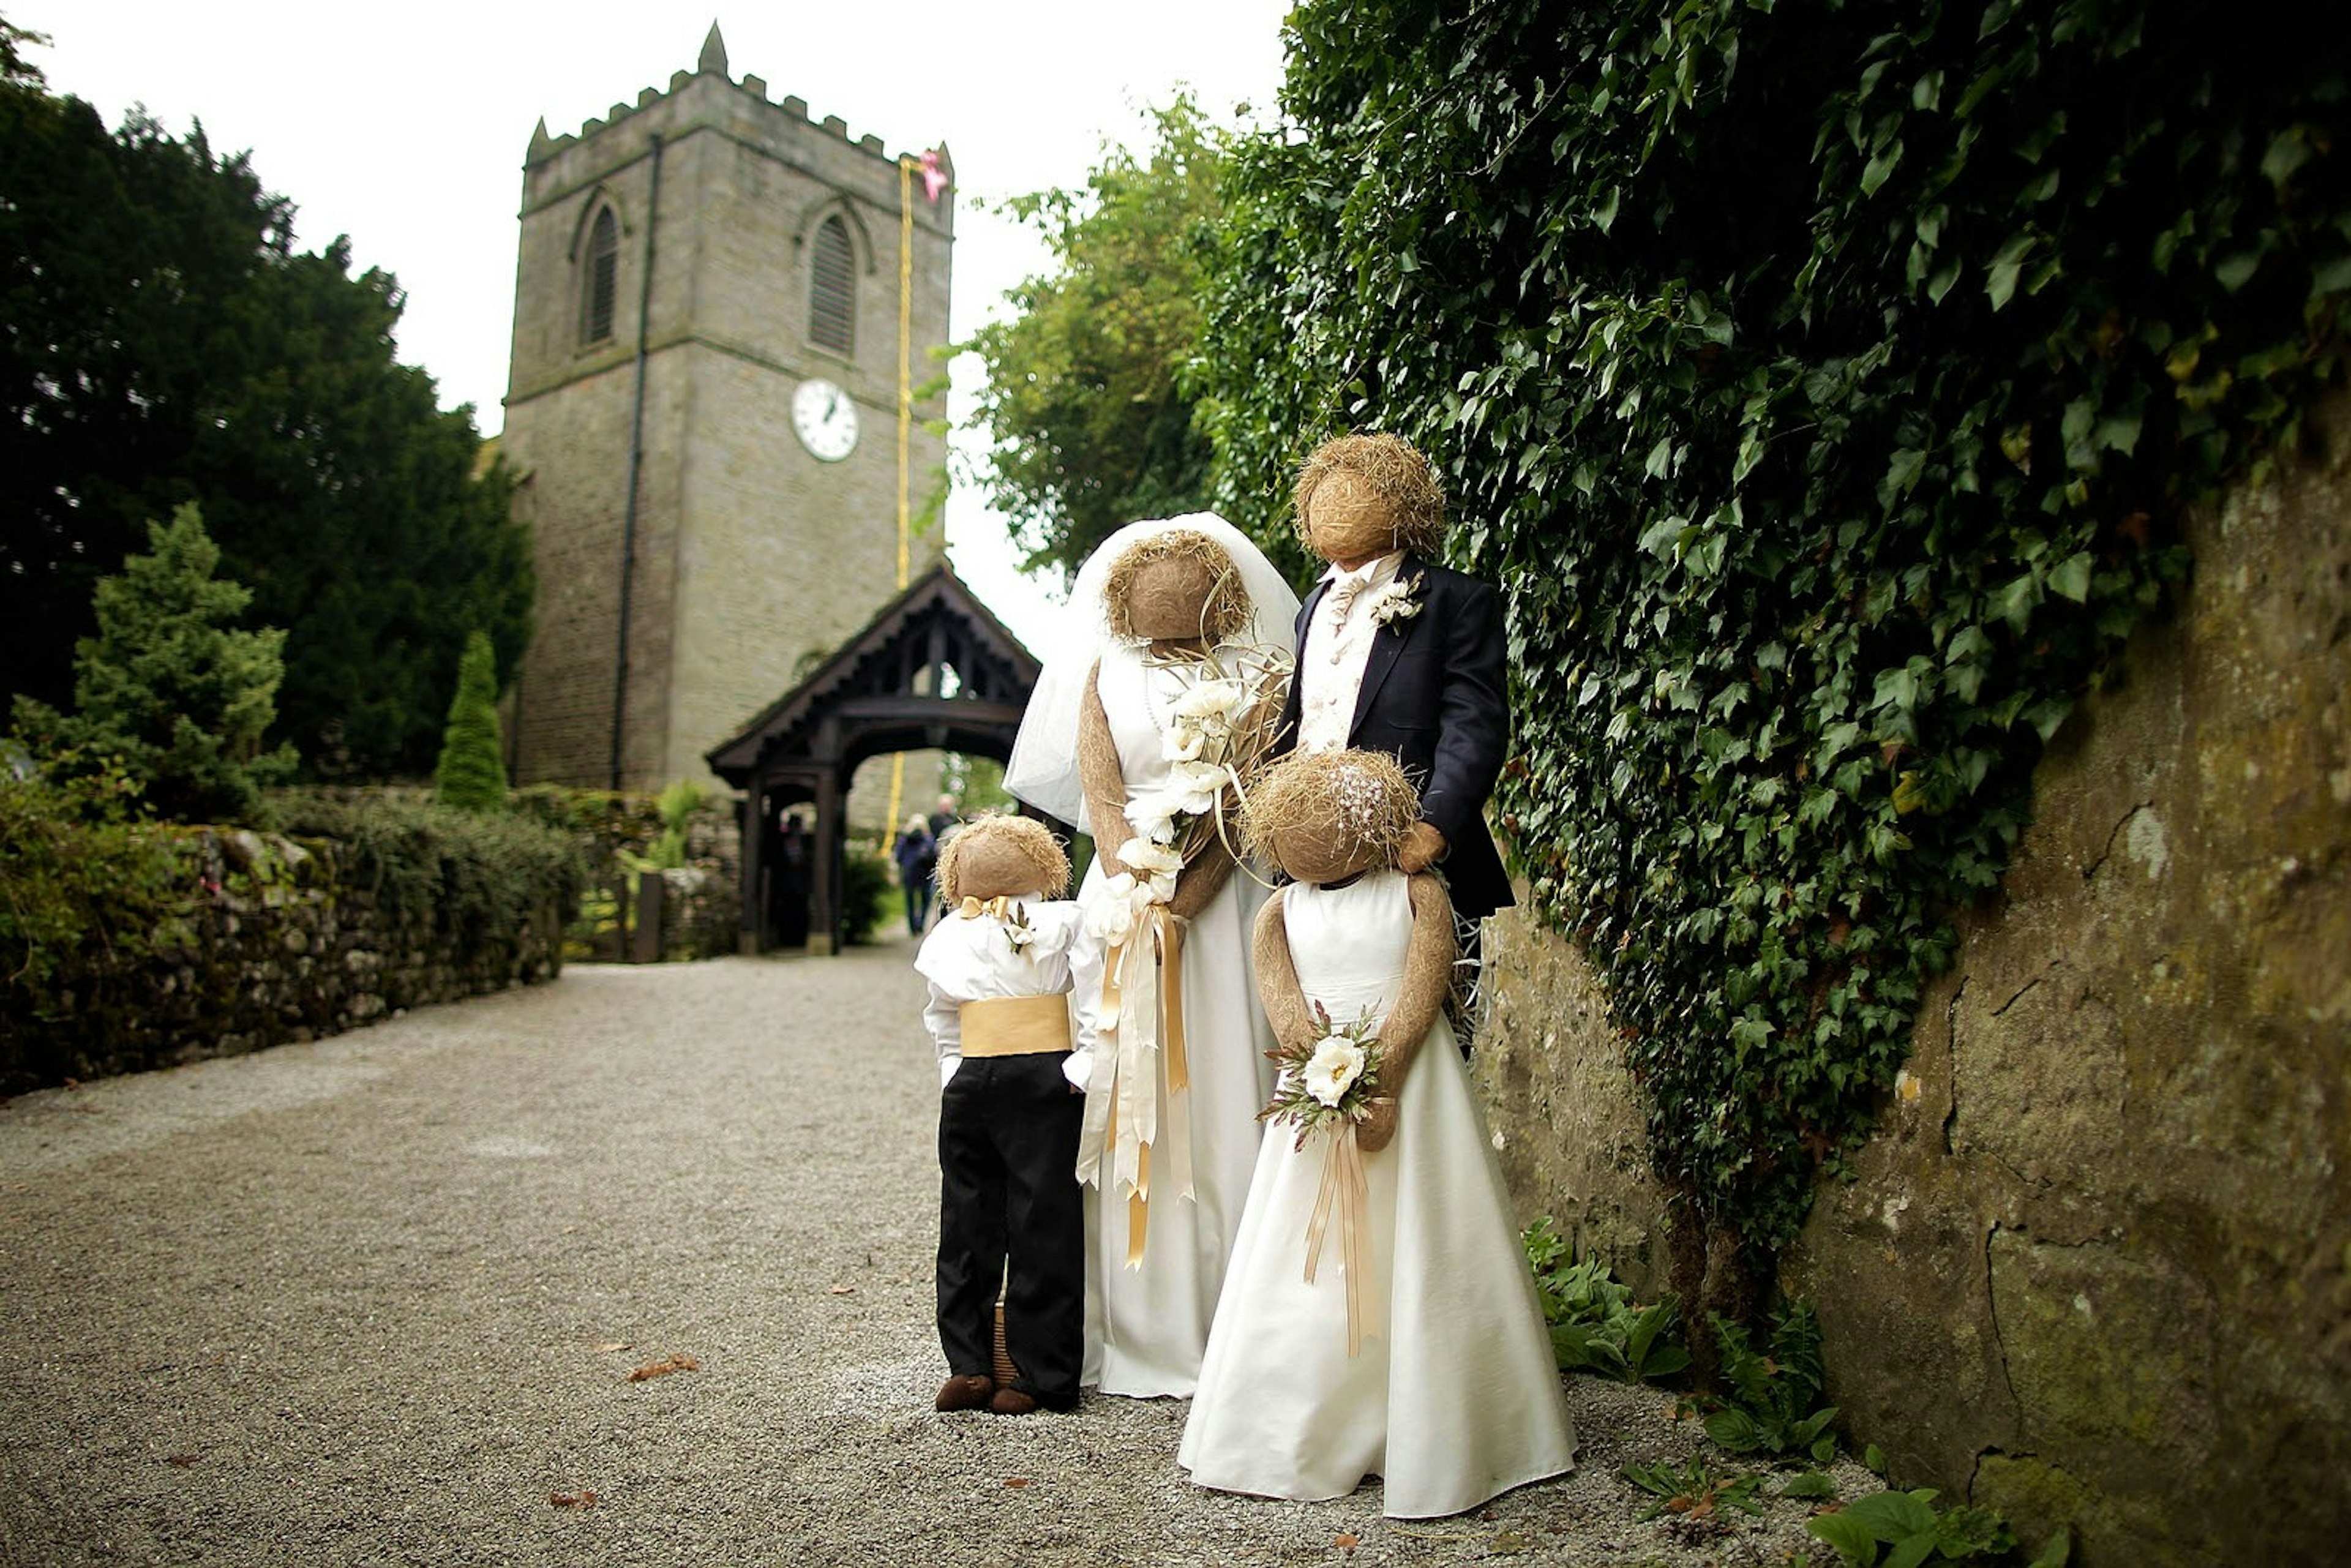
x: 1435, y: 696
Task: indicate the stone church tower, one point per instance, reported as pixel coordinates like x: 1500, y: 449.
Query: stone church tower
x: 721, y: 307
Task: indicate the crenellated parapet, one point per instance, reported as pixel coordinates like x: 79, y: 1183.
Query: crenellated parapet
x: 709, y: 99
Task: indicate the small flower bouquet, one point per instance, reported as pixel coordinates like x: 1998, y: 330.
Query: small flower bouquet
x: 1329, y: 1079
x: 1017, y: 929
x: 1327, y: 1085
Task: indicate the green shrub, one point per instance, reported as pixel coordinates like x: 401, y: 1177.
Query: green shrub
x: 1595, y: 1325
x: 85, y: 891
x: 1910, y: 1529
x: 676, y: 806
x: 132, y: 945
x: 866, y: 893
x: 1821, y: 383
x: 475, y: 876
x: 577, y: 812
x: 622, y: 836
x: 472, y: 773
x: 170, y: 690
x: 1772, y: 1404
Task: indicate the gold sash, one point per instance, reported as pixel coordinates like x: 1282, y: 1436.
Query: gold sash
x: 1014, y: 1026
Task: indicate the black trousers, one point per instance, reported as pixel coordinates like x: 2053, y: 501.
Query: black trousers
x: 1008, y: 1193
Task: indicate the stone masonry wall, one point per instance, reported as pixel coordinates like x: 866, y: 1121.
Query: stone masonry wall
x: 2096, y: 1266
x: 280, y: 947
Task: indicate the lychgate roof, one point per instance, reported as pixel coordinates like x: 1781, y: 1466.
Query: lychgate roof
x: 871, y: 694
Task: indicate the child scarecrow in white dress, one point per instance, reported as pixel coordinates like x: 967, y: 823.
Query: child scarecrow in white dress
x: 1378, y: 1318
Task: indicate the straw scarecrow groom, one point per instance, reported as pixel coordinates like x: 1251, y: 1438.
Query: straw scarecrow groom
x: 1399, y: 654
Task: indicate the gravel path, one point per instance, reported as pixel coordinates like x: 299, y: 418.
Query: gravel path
x: 377, y: 1300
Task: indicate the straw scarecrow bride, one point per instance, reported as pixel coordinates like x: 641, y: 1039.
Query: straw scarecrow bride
x: 1164, y: 690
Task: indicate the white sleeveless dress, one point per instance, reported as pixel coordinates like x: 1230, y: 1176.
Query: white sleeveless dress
x: 1458, y: 1398
x: 1147, y: 1328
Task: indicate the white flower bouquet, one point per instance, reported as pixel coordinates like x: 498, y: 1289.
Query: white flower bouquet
x: 1220, y: 727
x: 1396, y: 601
x: 1328, y: 1080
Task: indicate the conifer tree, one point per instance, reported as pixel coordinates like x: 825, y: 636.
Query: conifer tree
x: 162, y: 339
x: 472, y: 773
x: 169, y: 688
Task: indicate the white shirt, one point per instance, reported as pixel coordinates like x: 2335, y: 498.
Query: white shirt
x: 1338, y: 645
x: 966, y: 960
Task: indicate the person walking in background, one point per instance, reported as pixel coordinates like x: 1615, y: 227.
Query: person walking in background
x: 945, y: 820
x: 790, y: 896
x: 917, y: 854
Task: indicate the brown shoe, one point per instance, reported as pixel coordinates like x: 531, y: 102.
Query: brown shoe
x: 965, y: 1393
x: 1012, y: 1401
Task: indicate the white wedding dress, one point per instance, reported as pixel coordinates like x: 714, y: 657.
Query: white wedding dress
x: 1147, y: 1328
x: 1456, y: 1397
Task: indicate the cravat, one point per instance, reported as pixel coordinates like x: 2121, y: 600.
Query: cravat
x: 1340, y: 600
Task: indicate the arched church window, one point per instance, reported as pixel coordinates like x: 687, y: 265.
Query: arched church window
x: 833, y: 287
x: 600, y: 280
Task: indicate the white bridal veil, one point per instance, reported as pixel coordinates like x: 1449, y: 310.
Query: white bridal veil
x: 1043, y: 770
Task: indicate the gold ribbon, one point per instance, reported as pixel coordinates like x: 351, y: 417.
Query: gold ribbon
x: 972, y: 908
x: 1142, y: 1013
x: 1014, y: 1026
x: 1171, y: 998
x: 1345, y: 1192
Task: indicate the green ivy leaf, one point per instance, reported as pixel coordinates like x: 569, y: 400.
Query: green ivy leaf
x: 2071, y: 577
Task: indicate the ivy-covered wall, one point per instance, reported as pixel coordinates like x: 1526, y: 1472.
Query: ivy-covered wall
x: 154, y: 946
x: 1821, y: 382
x: 2094, y: 1265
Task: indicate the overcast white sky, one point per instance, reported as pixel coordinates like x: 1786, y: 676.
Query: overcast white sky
x: 404, y: 127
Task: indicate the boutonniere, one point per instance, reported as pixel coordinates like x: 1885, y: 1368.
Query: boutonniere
x: 1396, y: 601
x: 1013, y: 917
x: 1017, y: 929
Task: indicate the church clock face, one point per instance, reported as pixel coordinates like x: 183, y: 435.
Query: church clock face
x: 825, y: 420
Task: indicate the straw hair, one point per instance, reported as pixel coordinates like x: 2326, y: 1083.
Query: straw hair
x: 1227, y: 609
x: 1359, y: 801
x: 1032, y: 840
x: 1398, y: 477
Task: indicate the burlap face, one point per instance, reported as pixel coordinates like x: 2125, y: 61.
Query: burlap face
x: 1169, y: 600
x: 1323, y: 816
x: 1309, y: 855
x: 995, y: 856
x: 1357, y: 496
x: 1177, y: 586
x: 1347, y: 519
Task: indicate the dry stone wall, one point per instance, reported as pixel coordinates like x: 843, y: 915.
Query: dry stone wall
x: 2095, y: 1267
x: 278, y: 944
